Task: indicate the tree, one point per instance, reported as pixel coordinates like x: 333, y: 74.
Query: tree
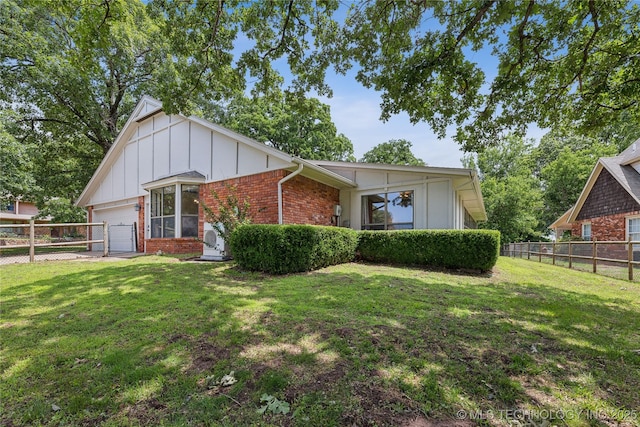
x: 16, y: 168
x: 300, y: 127
x: 513, y: 205
x: 62, y: 210
x: 75, y: 69
x: 512, y: 193
x: 572, y: 62
x: 393, y: 152
x: 511, y: 156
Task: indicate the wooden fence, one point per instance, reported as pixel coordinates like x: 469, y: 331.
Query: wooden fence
x: 33, y: 228
x: 606, y: 253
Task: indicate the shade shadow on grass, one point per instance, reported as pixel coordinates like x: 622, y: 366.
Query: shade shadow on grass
x: 358, y: 344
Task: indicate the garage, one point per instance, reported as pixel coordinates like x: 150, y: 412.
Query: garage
x: 122, y: 222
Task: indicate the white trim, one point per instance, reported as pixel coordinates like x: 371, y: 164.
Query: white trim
x: 582, y: 230
x: 280, y: 201
x: 172, y: 180
x: 627, y: 220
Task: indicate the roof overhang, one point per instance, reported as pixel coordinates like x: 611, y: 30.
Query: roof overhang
x: 563, y: 221
x: 317, y: 173
x: 21, y: 217
x: 195, y: 178
x: 118, y: 144
x: 466, y: 182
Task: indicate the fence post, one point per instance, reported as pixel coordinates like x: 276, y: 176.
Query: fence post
x: 528, y: 249
x: 594, y: 252
x: 630, y: 258
x: 553, y: 253
x: 540, y: 252
x: 105, y: 237
x: 32, y: 241
x: 570, y: 252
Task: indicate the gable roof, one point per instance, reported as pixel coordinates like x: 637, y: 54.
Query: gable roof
x: 148, y: 106
x: 619, y: 167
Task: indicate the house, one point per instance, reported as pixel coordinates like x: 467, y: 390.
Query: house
x: 160, y: 164
x: 609, y: 206
x: 19, y: 212
x: 560, y: 226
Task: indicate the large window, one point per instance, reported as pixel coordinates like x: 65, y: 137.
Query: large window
x: 165, y: 204
x: 388, y: 211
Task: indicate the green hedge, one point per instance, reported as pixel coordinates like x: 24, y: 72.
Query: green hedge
x: 282, y: 249
x: 473, y: 249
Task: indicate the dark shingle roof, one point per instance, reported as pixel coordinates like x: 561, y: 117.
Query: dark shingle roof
x: 626, y: 175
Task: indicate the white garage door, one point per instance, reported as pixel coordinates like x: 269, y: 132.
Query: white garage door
x: 121, y: 222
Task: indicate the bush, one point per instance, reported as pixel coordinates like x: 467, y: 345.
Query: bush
x: 473, y: 249
x: 282, y: 249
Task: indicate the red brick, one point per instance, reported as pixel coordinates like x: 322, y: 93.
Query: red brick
x: 609, y: 228
x: 305, y: 201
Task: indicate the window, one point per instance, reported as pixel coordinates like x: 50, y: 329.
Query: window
x: 163, y: 212
x: 469, y: 222
x: 586, y: 231
x: 165, y: 204
x: 633, y: 231
x: 189, y: 210
x: 388, y: 211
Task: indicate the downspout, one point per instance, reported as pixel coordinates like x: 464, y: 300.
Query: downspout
x: 282, y: 181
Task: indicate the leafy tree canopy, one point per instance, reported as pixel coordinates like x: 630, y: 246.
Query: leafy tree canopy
x: 82, y: 66
x: 299, y: 126
x: 16, y: 169
x: 73, y: 70
x: 574, y: 61
x: 393, y: 152
x: 62, y: 210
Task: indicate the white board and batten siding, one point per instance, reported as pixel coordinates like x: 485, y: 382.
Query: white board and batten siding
x: 154, y: 145
x: 434, y: 200
x: 162, y: 146
x: 117, y: 214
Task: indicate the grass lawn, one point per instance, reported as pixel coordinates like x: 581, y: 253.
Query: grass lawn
x: 146, y: 341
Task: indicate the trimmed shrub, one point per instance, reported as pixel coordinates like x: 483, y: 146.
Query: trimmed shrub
x: 282, y: 249
x: 473, y: 249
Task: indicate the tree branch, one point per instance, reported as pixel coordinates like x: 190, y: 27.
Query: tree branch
x: 283, y: 33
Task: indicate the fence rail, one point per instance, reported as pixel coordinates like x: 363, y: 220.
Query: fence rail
x: 625, y: 253
x: 36, y: 232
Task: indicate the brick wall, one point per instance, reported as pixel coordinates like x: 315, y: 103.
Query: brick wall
x: 610, y: 227
x: 184, y: 245
x: 261, y: 190
x: 90, y: 219
x: 305, y: 201
x: 141, y: 241
x: 607, y: 197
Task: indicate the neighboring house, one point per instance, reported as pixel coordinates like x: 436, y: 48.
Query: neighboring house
x: 19, y: 212
x: 160, y: 164
x: 609, y: 206
x: 561, y: 225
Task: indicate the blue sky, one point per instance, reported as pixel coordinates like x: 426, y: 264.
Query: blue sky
x: 356, y: 112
